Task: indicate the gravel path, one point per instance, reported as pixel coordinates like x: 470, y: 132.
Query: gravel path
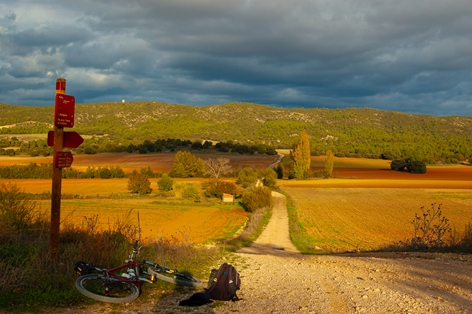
x: 276, y: 278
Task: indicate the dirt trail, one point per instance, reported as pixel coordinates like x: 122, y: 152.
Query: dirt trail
x: 275, y: 239
x: 276, y: 278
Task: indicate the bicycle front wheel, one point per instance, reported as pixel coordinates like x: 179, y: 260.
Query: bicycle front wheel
x: 174, y: 276
x: 97, y: 287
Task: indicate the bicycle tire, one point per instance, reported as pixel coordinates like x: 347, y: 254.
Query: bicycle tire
x: 175, y: 277
x: 94, y: 287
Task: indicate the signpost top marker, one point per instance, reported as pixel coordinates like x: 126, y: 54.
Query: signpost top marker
x: 60, y: 86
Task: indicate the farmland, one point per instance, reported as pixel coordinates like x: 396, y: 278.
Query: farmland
x: 366, y: 206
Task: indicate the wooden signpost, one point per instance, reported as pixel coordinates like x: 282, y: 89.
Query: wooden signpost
x: 63, y: 117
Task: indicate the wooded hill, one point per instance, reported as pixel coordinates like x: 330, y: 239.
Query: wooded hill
x: 347, y: 132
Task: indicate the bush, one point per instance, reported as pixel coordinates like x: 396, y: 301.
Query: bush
x: 165, y: 183
x: 258, y: 197
x: 247, y: 177
x: 16, y: 208
x: 217, y: 189
x: 416, y: 167
x: 270, y: 178
x: 139, y: 183
x: 398, y: 165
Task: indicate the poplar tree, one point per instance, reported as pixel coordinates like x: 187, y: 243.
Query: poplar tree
x: 329, y: 163
x: 300, y: 158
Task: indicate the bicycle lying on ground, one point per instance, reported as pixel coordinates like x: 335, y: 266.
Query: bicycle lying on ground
x: 122, y: 284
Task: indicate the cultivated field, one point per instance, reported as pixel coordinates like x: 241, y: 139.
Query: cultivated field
x: 187, y: 222
x: 352, y: 218
x: 158, y: 162
x: 366, y: 206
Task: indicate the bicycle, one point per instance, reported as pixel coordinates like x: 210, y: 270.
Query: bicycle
x: 122, y: 284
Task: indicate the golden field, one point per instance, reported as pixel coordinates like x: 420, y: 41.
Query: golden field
x: 366, y: 206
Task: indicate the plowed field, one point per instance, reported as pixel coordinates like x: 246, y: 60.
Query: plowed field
x: 352, y: 218
x: 186, y: 222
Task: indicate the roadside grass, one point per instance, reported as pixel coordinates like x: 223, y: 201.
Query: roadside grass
x: 258, y: 220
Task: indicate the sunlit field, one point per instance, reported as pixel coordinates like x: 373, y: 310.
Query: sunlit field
x: 344, y: 217
x: 366, y: 205
x: 186, y: 221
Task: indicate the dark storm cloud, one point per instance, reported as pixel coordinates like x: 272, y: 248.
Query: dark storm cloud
x: 411, y: 56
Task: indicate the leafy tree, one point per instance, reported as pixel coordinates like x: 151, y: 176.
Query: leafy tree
x: 258, y: 197
x: 139, y: 183
x: 329, y: 163
x: 280, y: 171
x: 105, y: 173
x: 217, y: 167
x: 416, y: 166
x: 165, y: 183
x: 147, y: 171
x: 300, y: 158
x: 270, y: 178
x: 398, y: 164
x: 247, y: 177
x: 187, y: 165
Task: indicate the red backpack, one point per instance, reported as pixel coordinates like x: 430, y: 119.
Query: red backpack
x: 224, y: 284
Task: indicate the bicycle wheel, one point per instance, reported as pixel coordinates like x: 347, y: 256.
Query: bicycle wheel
x: 97, y: 287
x: 174, y: 277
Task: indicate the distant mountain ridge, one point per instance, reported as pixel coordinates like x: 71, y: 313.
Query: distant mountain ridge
x: 349, y: 130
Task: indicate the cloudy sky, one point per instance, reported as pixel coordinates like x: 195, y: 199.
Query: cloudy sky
x: 413, y: 56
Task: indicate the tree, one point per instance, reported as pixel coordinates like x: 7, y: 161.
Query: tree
x: 270, y: 178
x: 329, y: 163
x: 398, y: 165
x: 258, y: 197
x: 187, y: 165
x: 280, y: 171
x: 139, y: 183
x: 246, y: 177
x: 300, y: 158
x: 165, y: 183
x: 217, y: 167
x: 416, y: 166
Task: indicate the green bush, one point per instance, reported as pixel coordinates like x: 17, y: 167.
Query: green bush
x: 247, y: 177
x: 417, y: 167
x: 165, y: 183
x: 258, y: 197
x: 398, y: 165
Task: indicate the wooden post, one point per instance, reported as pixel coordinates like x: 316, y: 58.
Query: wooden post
x: 56, y: 181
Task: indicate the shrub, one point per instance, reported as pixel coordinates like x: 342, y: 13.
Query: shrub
x: 16, y: 208
x: 416, y: 167
x: 247, y: 177
x: 280, y: 171
x: 218, y: 188
x: 270, y: 177
x: 105, y: 173
x: 165, y: 183
x: 398, y: 165
x: 139, y: 183
x: 430, y: 228
x: 258, y: 197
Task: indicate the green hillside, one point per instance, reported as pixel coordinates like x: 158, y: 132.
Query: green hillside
x: 350, y: 132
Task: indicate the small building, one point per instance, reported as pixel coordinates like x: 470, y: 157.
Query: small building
x: 227, y: 198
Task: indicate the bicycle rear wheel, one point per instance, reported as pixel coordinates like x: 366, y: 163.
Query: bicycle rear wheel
x: 174, y: 276
x: 97, y: 287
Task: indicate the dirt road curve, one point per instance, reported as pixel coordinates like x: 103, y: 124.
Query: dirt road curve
x: 278, y: 279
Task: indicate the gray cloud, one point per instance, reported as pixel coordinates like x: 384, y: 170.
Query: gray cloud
x: 393, y: 55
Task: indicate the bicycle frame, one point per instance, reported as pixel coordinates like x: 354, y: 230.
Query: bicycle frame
x: 129, y: 264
